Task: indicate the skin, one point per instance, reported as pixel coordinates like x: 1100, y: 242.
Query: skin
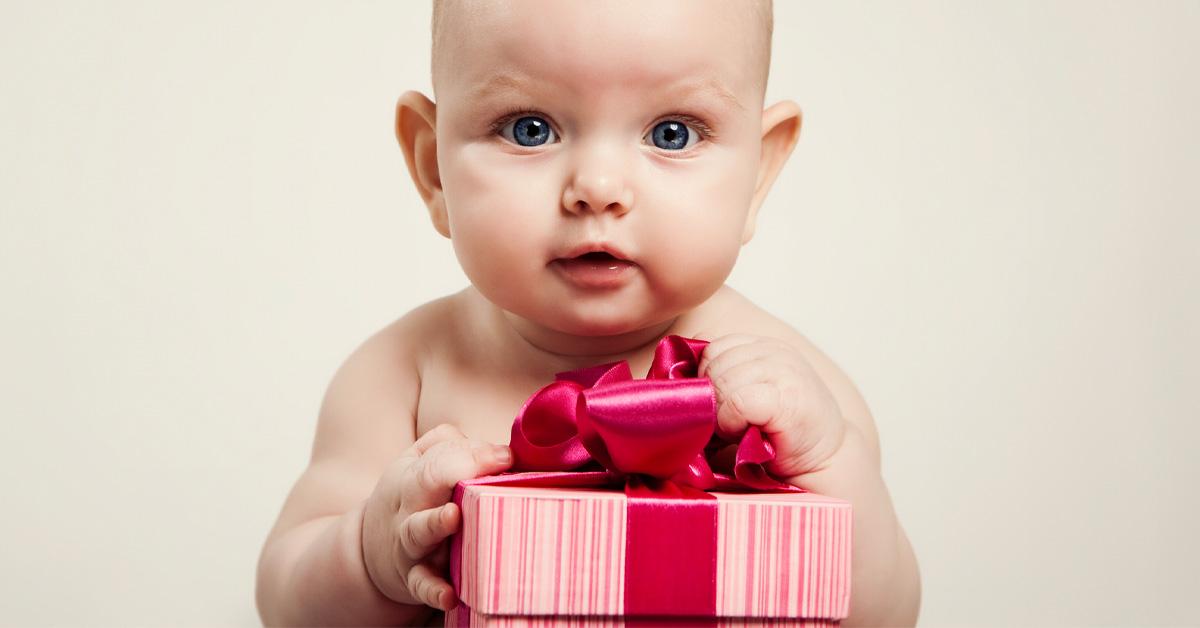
x: 362, y: 536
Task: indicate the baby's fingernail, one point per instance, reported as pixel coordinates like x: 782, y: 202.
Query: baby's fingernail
x: 503, y: 455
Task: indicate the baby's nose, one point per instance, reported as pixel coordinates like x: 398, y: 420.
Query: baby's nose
x: 597, y: 189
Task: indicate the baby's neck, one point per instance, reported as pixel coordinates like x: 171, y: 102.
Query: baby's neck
x: 586, y: 349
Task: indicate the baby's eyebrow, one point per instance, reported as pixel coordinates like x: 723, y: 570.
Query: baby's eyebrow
x: 511, y: 82
x: 499, y: 83
x: 714, y: 87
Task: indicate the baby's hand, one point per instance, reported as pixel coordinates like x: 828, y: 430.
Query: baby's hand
x: 765, y: 382
x: 409, y: 515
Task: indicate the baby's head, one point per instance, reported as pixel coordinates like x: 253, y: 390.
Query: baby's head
x: 748, y: 24
x: 629, y: 127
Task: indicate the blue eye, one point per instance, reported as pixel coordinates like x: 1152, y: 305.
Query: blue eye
x: 673, y: 135
x: 528, y: 131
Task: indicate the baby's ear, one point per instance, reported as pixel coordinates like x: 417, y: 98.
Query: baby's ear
x: 416, y: 124
x: 781, y: 131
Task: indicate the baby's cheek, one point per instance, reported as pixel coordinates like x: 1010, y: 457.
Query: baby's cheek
x: 494, y: 220
x: 492, y: 255
x: 690, y: 268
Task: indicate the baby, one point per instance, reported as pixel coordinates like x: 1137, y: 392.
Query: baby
x: 597, y: 166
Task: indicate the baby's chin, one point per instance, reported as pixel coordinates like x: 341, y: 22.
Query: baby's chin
x: 596, y: 329
x: 593, y: 324
x: 592, y: 321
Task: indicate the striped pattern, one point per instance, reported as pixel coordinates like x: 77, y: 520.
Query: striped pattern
x: 783, y: 558
x: 554, y: 551
x: 464, y: 616
x: 561, y: 552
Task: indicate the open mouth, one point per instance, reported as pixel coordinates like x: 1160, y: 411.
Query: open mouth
x: 598, y: 256
x: 595, y: 269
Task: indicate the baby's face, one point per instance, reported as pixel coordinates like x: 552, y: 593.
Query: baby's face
x: 567, y: 127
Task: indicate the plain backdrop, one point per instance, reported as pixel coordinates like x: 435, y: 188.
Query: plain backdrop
x: 990, y: 222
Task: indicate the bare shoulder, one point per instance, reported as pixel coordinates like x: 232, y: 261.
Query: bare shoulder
x: 376, y: 388
x: 730, y: 312
x: 367, y: 416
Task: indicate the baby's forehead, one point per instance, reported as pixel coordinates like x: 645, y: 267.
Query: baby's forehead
x: 614, y: 43
x: 698, y: 90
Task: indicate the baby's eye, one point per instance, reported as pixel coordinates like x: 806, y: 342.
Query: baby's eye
x: 528, y: 131
x: 673, y: 135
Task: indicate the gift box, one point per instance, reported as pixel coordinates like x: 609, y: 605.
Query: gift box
x: 533, y: 556
x: 631, y: 510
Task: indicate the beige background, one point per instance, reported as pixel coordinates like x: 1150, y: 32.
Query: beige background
x: 990, y: 222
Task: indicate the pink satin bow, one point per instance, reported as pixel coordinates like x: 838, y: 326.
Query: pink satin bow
x: 658, y: 427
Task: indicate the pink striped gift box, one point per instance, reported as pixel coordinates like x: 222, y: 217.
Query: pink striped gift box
x: 557, y: 556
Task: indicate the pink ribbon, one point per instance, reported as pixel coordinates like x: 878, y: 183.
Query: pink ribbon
x: 661, y: 426
x: 655, y: 436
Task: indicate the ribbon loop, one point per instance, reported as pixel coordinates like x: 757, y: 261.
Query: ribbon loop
x: 650, y: 427
x: 544, y: 434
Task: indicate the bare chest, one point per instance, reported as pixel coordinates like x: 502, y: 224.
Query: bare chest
x: 479, y: 403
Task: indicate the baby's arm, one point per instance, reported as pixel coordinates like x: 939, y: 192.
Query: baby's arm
x: 826, y: 442
x: 366, y: 477
x: 886, y: 590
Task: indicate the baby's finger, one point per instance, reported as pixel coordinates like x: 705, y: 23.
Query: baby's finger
x: 421, y: 532
x: 755, y: 404
x: 429, y: 588
x: 731, y: 357
x: 745, y: 396
x: 720, y: 346
x: 447, y: 464
x: 440, y: 433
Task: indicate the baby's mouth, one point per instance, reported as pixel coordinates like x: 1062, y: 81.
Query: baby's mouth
x: 596, y: 252
x: 598, y: 257
x: 594, y: 269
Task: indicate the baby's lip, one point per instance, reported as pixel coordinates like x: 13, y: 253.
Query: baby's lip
x: 595, y: 247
